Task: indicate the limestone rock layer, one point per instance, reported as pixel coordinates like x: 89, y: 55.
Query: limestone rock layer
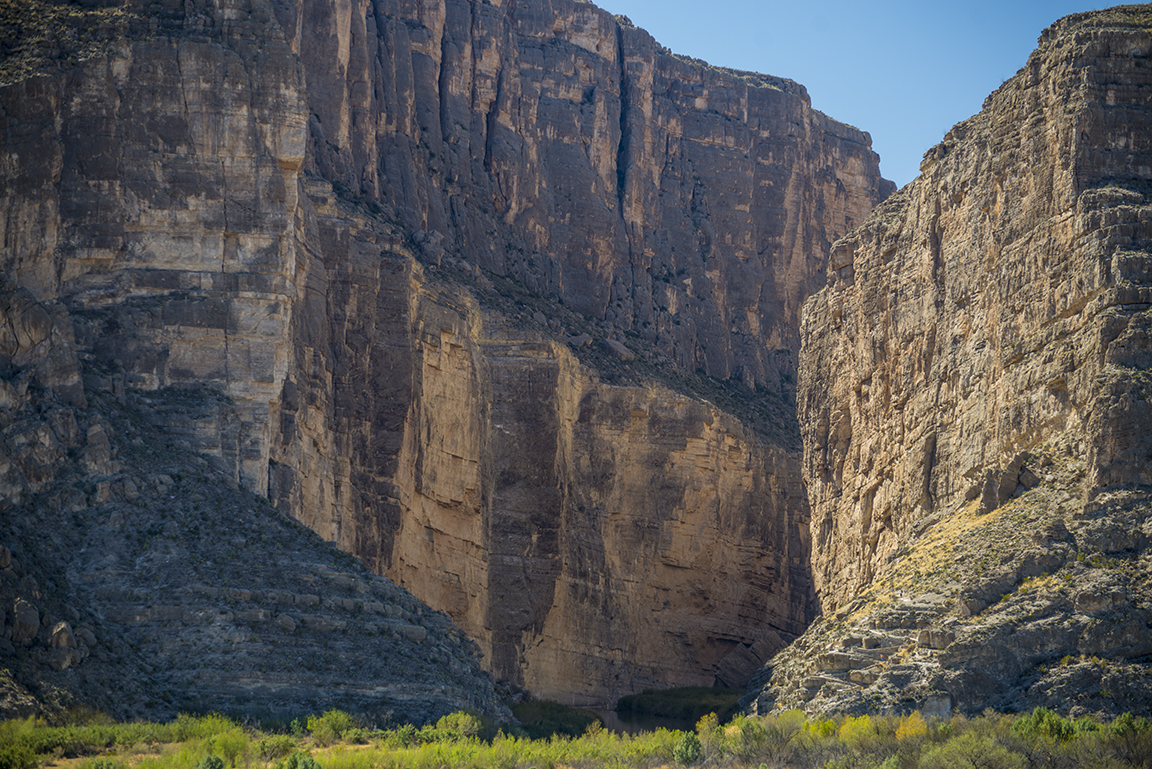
x: 552, y: 142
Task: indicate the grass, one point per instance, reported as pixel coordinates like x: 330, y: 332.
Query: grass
x: 1041, y: 738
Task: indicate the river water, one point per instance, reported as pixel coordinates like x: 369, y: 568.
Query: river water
x: 631, y: 724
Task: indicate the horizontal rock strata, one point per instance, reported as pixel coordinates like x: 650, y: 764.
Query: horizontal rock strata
x: 996, y: 301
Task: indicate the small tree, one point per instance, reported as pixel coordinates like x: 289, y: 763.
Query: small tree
x: 688, y: 750
x: 231, y: 745
x: 971, y: 750
x: 708, y: 732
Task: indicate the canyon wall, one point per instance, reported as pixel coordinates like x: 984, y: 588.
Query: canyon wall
x: 596, y: 539
x: 398, y: 240
x: 996, y: 301
x: 974, y: 405
x: 549, y: 141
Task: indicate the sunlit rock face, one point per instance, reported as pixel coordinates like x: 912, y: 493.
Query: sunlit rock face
x: 994, y: 302
x: 974, y: 407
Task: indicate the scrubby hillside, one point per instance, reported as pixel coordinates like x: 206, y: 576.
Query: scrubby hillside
x: 135, y: 578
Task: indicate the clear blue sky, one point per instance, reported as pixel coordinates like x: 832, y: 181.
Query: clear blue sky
x: 905, y: 72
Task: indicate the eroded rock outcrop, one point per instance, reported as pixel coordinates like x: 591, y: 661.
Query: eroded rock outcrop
x: 983, y: 332
x: 334, y: 216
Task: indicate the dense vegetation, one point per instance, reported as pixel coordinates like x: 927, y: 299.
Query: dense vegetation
x: 335, y: 741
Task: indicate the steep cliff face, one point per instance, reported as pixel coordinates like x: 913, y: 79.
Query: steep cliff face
x: 994, y: 302
x: 973, y: 395
x: 154, y: 190
x: 137, y: 580
x: 381, y: 231
x: 550, y: 142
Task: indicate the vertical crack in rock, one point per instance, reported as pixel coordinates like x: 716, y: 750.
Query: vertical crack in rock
x: 622, y: 155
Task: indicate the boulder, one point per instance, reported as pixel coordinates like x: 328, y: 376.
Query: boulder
x: 935, y: 638
x: 62, y: 636
x: 60, y: 659
x: 619, y: 350
x: 1100, y: 601
x: 25, y: 621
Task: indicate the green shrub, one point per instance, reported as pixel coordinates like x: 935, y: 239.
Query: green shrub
x: 187, y: 727
x: 357, y: 736
x: 330, y: 727
x: 211, y: 762
x: 17, y: 757
x: 971, y: 750
x: 708, y: 730
x: 275, y: 746
x: 298, y: 760
x: 1041, y: 724
x: 743, y: 737
x: 1130, y: 738
x: 460, y: 725
x: 688, y: 750
x: 401, y: 737
x: 231, y: 745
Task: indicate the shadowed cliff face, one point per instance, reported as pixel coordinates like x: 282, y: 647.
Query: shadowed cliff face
x: 305, y: 207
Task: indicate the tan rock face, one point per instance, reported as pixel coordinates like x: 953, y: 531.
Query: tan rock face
x: 154, y: 193
x: 997, y: 301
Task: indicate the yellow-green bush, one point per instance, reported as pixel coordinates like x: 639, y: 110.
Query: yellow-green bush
x: 330, y: 727
x: 912, y: 727
x: 231, y: 745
